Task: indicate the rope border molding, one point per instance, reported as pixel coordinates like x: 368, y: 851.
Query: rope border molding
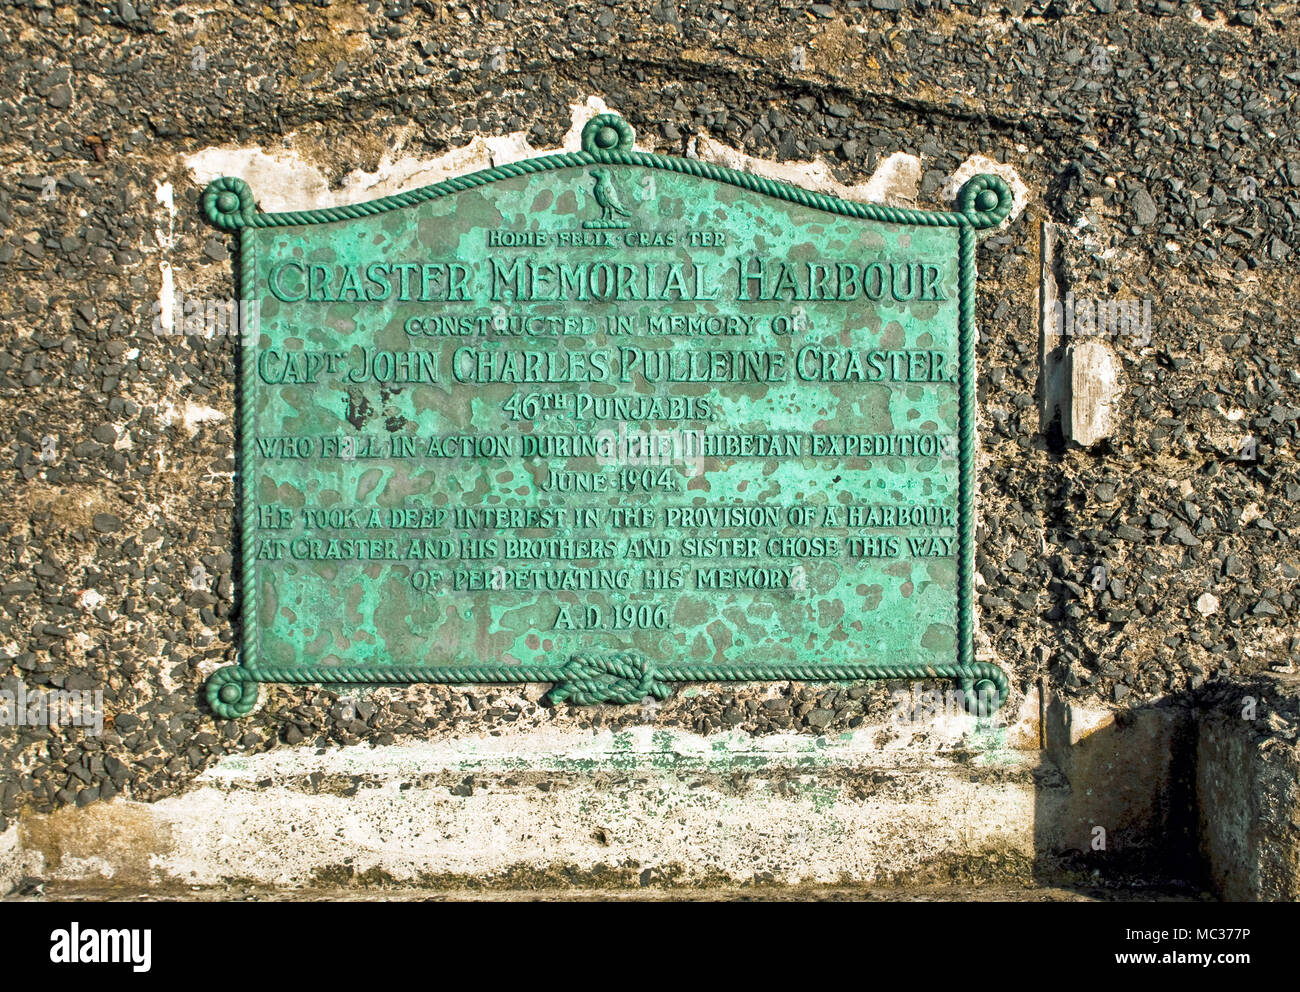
x: 626, y: 677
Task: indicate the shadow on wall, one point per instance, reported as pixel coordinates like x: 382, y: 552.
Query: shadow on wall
x: 1115, y: 796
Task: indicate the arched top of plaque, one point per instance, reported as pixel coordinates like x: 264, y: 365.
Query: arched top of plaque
x: 983, y: 202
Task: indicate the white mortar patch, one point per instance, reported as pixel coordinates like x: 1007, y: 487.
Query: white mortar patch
x: 284, y: 179
x: 978, y: 165
x: 16, y: 861
x: 894, y: 182
x: 190, y: 415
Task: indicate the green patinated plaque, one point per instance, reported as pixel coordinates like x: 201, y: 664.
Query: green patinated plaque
x: 608, y: 420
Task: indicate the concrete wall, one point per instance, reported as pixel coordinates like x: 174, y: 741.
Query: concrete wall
x: 1248, y: 789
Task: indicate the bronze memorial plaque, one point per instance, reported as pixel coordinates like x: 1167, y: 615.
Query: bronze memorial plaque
x: 609, y: 420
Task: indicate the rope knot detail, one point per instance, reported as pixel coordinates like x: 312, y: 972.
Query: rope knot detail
x: 607, y: 678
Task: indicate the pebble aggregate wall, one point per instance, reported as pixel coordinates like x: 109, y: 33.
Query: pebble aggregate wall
x: 1133, y: 574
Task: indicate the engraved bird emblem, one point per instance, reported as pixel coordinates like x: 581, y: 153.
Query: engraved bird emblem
x: 607, y: 196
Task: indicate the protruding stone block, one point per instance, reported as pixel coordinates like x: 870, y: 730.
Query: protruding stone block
x: 1079, y: 377
x: 1092, y: 378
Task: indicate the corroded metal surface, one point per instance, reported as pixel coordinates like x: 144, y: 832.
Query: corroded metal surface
x: 607, y: 419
